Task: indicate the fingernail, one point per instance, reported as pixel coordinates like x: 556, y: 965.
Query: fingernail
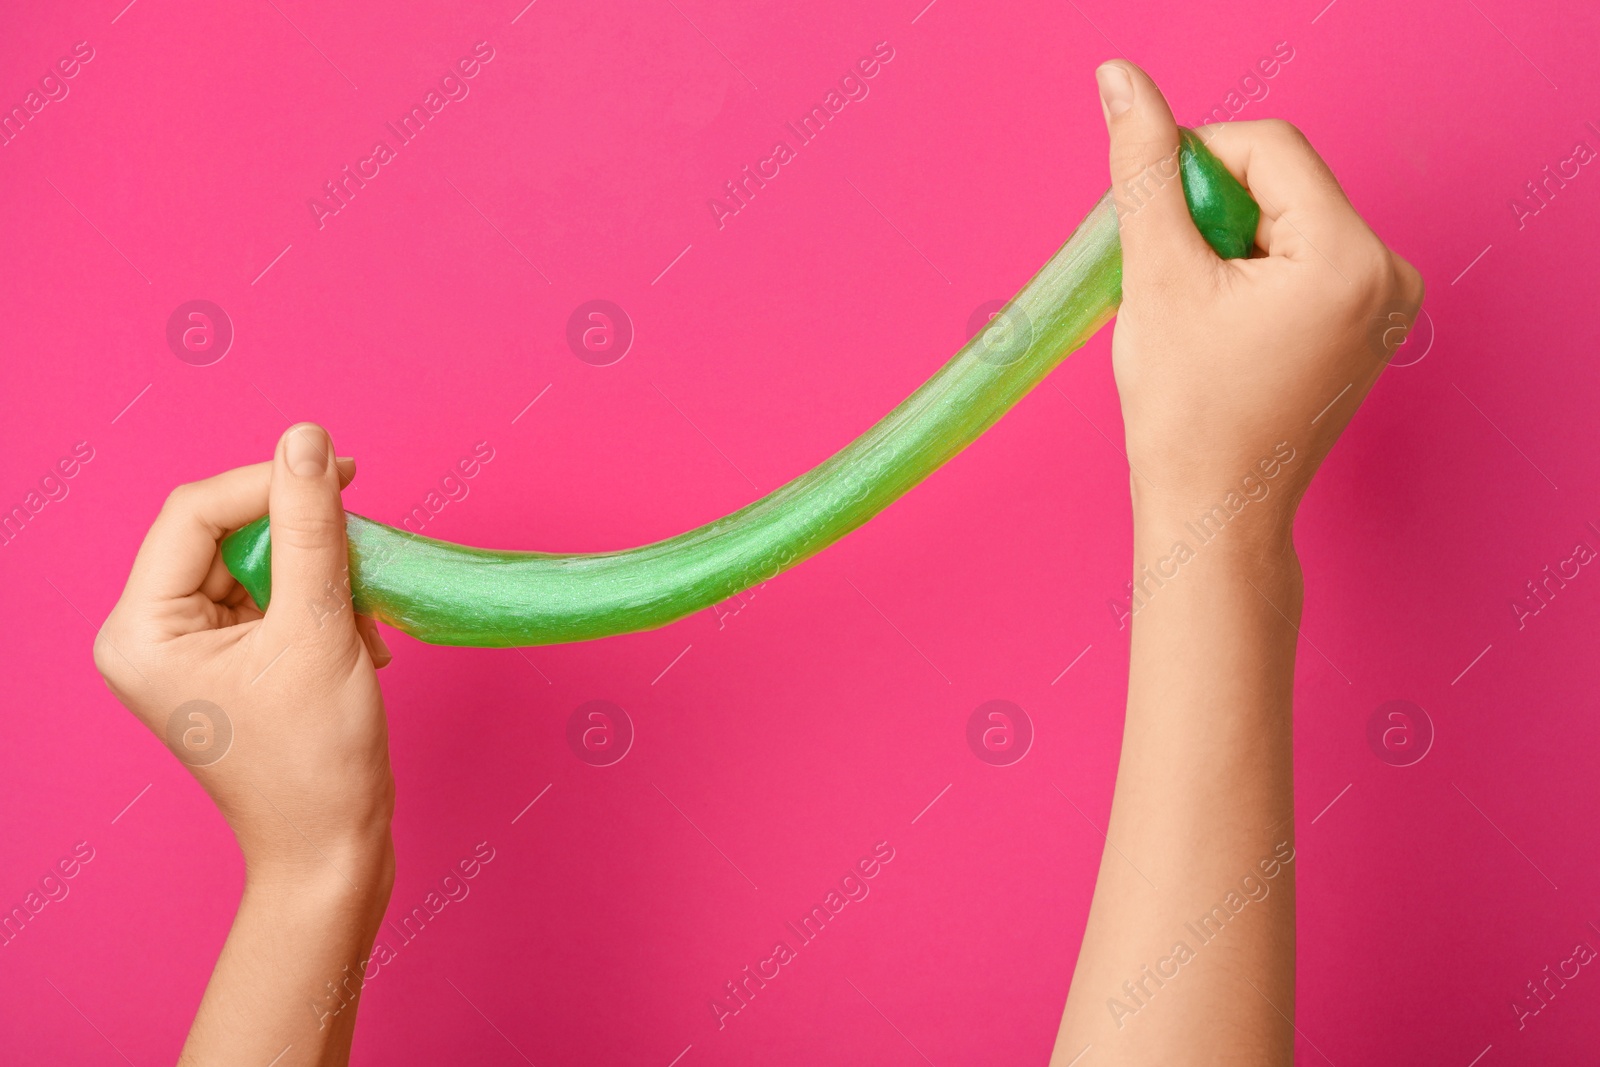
x: 307, y: 449
x: 1116, y: 88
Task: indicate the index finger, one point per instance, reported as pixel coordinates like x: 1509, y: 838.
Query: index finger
x: 1300, y: 198
x: 177, y: 552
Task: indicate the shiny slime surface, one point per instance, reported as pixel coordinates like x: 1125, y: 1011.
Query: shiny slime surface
x: 450, y: 594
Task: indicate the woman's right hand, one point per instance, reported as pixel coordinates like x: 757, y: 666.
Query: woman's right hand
x: 1219, y: 361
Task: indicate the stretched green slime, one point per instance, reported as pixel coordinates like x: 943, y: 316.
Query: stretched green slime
x: 450, y: 594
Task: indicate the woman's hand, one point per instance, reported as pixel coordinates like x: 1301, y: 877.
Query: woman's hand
x: 1219, y: 362
x: 1236, y: 378
x: 280, y: 719
x: 278, y: 716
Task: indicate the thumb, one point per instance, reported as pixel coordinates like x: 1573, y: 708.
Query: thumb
x: 1158, y: 236
x: 310, y: 579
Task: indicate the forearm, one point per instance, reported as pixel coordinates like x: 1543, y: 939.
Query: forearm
x: 1202, y: 817
x: 288, y: 979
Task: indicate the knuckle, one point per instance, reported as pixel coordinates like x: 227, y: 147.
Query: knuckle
x: 112, y: 649
x: 104, y: 658
x: 306, y: 526
x: 1409, y: 279
x: 1375, y: 263
x: 1284, y: 138
x: 1138, y: 152
x: 1283, y: 132
x: 1374, y: 285
x: 179, y: 500
x: 1363, y: 261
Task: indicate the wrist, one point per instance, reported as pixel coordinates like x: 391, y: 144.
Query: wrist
x: 1249, y: 506
x: 349, y: 882
x: 1177, y: 548
x: 1232, y: 525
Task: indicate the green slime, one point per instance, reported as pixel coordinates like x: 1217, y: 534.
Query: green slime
x: 450, y: 594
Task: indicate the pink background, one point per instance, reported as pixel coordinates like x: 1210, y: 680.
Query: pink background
x: 776, y: 746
